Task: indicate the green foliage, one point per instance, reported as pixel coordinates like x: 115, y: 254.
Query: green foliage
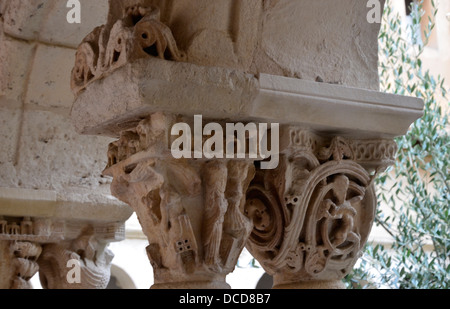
x: 414, y: 194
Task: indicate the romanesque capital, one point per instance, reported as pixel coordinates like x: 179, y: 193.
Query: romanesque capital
x: 313, y: 214
x: 68, y: 253
x: 190, y: 210
x: 307, y: 219
x: 20, y: 249
x: 80, y: 263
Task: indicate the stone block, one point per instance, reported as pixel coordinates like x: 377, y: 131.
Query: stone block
x: 46, y: 21
x: 23, y: 19
x: 2, y: 63
x: 56, y: 29
x: 49, y: 83
x: 54, y: 157
x: 9, y: 122
x: 151, y: 85
x: 323, y: 39
x: 329, y: 41
x: 15, y: 59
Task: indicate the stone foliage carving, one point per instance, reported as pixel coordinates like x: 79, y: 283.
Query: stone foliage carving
x: 313, y: 214
x: 191, y: 211
x: 91, y: 255
x: 138, y: 34
x: 378, y: 153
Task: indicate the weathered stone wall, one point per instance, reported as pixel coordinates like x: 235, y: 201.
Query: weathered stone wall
x: 40, y: 148
x: 324, y: 40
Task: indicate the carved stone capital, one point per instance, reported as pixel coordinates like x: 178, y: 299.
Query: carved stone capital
x: 133, y: 32
x: 313, y: 214
x: 190, y: 210
x: 19, y: 250
x: 81, y: 263
x: 18, y: 263
x: 54, y: 247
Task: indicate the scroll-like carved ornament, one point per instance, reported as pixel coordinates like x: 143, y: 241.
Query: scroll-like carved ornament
x: 312, y: 215
x: 138, y: 34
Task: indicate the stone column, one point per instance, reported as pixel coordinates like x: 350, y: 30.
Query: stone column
x: 156, y: 64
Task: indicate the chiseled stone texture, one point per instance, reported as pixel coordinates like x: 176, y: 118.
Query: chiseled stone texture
x: 9, y: 134
x: 9, y: 118
x: 23, y: 19
x: 93, y: 14
x: 312, y: 40
x: 45, y: 20
x: 2, y: 57
x: 15, y: 59
x: 52, y: 156
x: 41, y: 150
x: 330, y: 40
x: 49, y: 82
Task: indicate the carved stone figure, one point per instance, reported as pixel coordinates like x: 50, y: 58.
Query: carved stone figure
x: 138, y: 34
x: 85, y: 254
x: 216, y: 205
x: 191, y: 211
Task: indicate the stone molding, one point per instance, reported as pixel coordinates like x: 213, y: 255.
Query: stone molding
x: 158, y: 85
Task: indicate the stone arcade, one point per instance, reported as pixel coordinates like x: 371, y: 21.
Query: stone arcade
x: 157, y: 63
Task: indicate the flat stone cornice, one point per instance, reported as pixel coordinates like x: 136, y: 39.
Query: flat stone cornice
x: 129, y: 94
x: 43, y: 204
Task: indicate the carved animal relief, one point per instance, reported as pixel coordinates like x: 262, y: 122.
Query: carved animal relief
x: 138, y: 34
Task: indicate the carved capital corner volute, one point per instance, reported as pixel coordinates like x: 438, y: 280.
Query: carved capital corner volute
x: 313, y: 214
x: 132, y: 32
x: 18, y: 263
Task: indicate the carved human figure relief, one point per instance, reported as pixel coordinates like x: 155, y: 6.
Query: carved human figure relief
x: 192, y: 211
x: 216, y: 205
